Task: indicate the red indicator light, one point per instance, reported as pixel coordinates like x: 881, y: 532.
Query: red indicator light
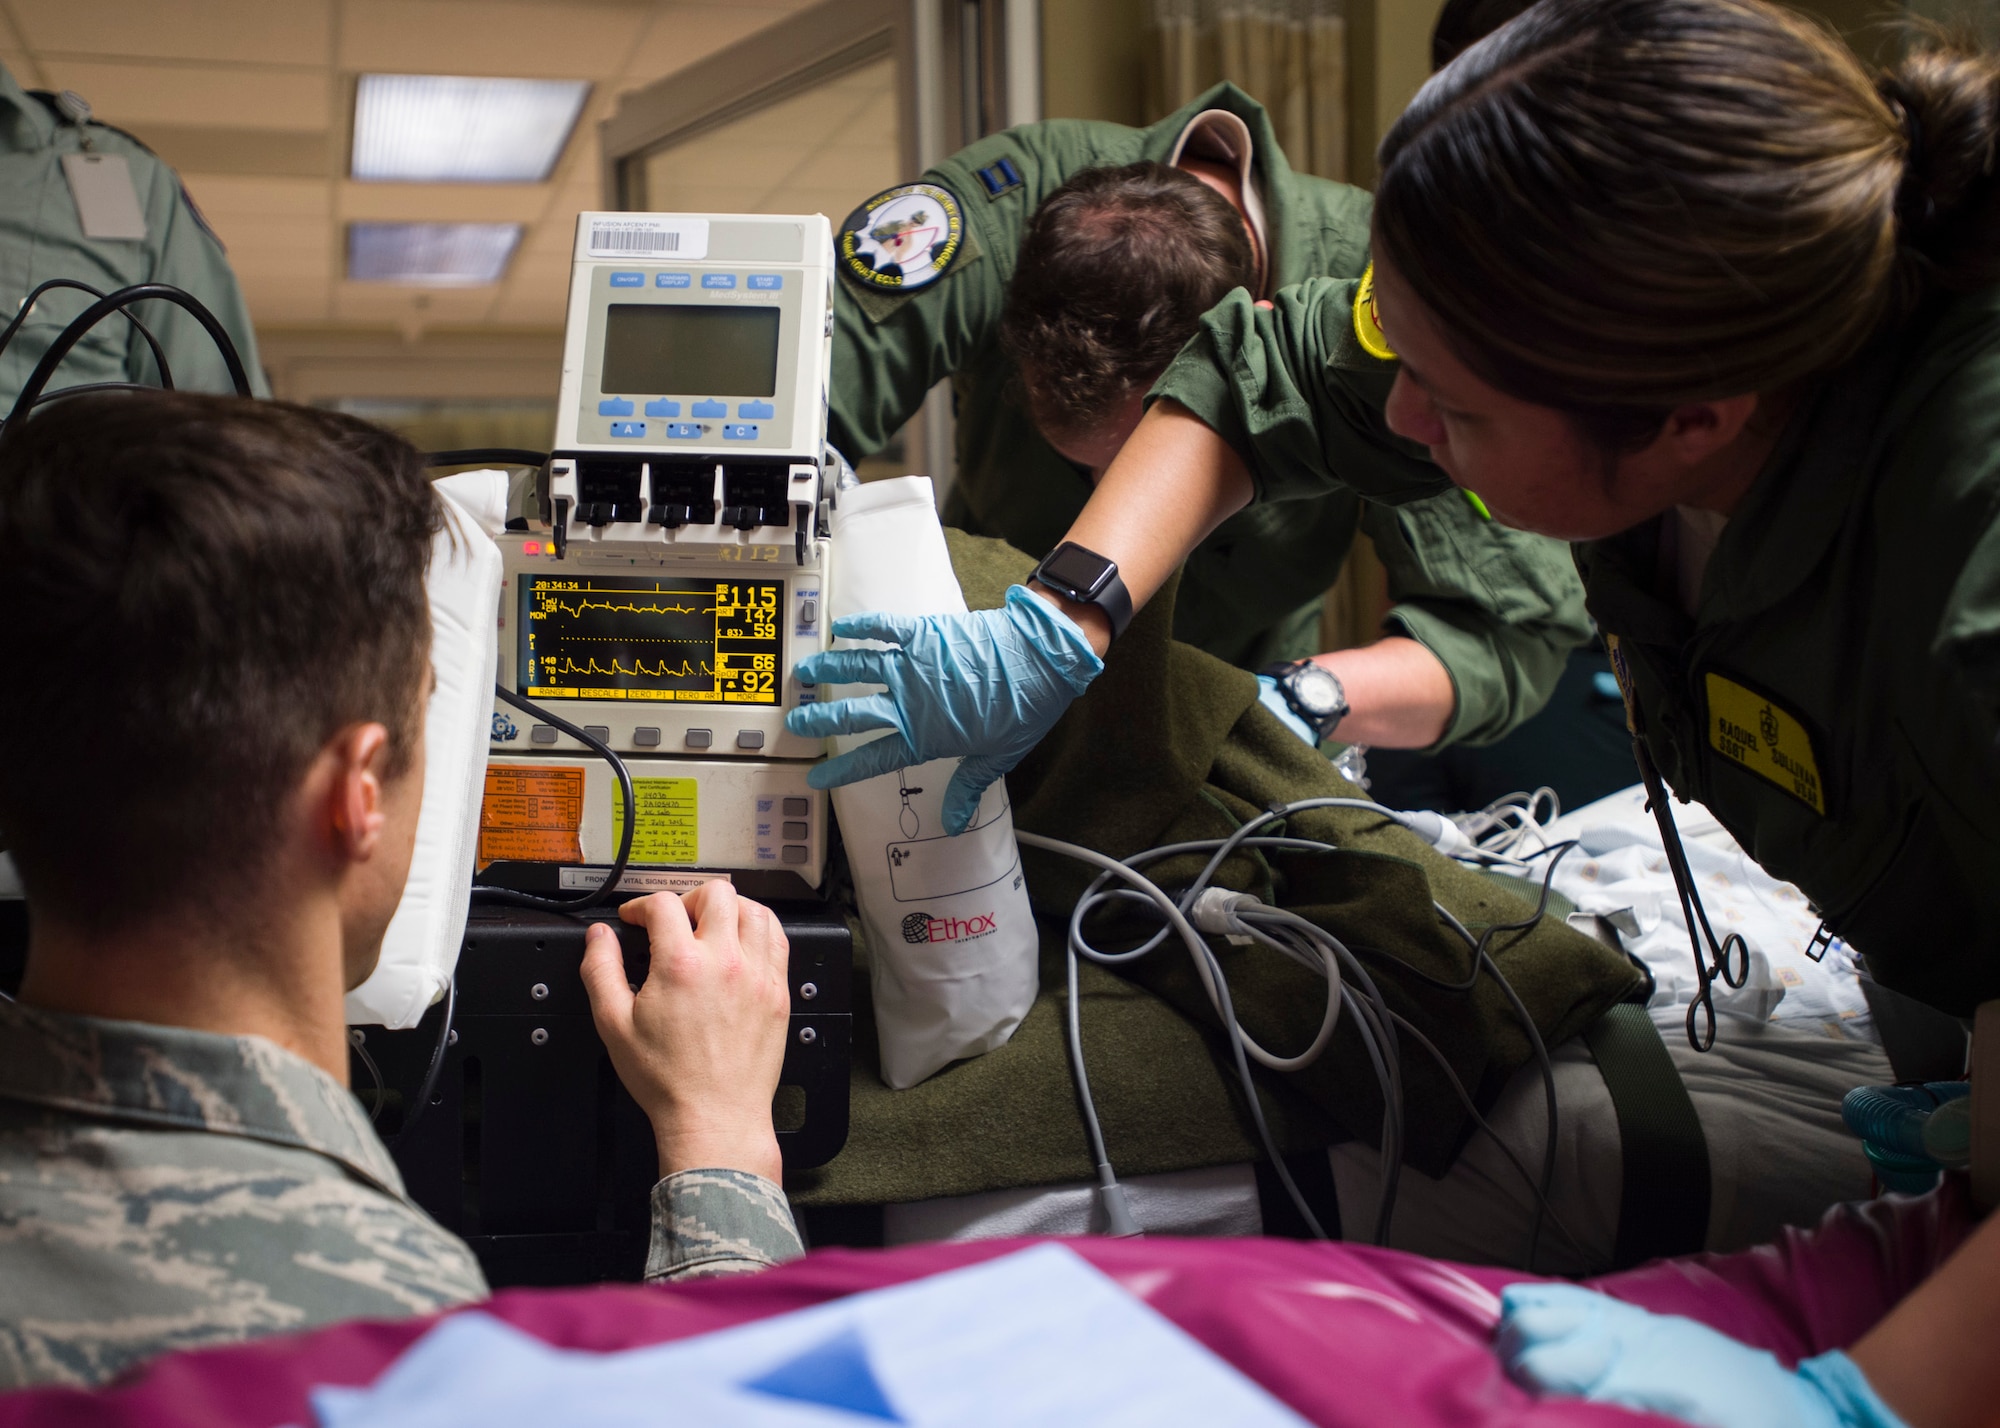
x: 531, y: 547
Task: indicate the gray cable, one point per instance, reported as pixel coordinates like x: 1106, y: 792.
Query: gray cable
x: 1218, y: 990
x: 1244, y: 916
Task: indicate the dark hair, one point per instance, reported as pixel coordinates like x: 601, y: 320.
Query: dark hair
x: 1615, y: 206
x: 200, y: 592
x: 1115, y: 271
x: 1464, y: 23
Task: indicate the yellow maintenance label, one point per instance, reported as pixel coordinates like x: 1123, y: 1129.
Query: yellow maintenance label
x: 1765, y: 738
x: 669, y: 816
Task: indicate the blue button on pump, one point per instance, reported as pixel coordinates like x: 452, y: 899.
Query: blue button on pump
x: 739, y: 431
x: 628, y: 280
x: 761, y: 410
x: 672, y: 280
x: 614, y: 406
x: 663, y: 407
x: 628, y: 428
x: 718, y: 280
x: 683, y: 430
x: 708, y: 409
x: 767, y: 282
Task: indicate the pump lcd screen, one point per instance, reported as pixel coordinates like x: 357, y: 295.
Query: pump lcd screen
x: 620, y: 637
x: 707, y: 351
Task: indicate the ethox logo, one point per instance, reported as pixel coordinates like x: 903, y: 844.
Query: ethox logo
x: 922, y: 927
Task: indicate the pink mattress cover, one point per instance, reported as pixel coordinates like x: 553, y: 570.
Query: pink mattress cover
x: 1343, y: 1333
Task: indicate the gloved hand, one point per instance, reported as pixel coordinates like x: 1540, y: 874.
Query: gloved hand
x: 985, y: 685
x: 1566, y: 1340
x: 1271, y: 699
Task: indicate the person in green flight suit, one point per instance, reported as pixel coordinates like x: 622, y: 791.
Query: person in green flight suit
x: 130, y: 222
x: 1052, y: 271
x: 1683, y: 283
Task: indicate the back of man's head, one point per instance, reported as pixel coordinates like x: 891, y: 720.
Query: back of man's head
x: 200, y: 592
x: 1115, y: 272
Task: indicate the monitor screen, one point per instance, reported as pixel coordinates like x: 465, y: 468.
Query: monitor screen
x: 670, y: 348
x: 619, y: 637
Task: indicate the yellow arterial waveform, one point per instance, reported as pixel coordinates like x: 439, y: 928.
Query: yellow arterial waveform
x: 575, y: 611
x: 686, y: 671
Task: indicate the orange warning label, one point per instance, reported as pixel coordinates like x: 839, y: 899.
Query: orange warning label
x: 531, y: 814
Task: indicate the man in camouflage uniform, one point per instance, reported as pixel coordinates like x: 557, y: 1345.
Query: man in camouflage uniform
x: 181, y: 1162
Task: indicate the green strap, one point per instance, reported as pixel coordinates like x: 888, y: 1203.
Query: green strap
x: 1663, y: 1207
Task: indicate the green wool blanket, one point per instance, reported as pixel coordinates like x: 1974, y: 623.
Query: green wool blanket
x: 1170, y: 745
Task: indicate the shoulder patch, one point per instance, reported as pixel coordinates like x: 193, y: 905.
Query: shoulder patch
x: 1761, y: 735
x: 902, y: 239
x: 1001, y: 178
x: 1367, y: 329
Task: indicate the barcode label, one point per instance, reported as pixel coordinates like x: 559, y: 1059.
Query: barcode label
x: 618, y: 240
x: 646, y: 236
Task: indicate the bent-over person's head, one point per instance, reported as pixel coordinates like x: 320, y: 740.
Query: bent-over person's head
x: 1115, y: 271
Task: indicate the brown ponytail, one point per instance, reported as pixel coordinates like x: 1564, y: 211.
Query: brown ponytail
x: 1948, y: 207
x: 1614, y: 206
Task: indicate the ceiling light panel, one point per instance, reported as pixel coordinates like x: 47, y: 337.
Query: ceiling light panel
x: 434, y: 255
x: 443, y: 128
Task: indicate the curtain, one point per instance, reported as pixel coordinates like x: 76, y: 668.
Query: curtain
x: 1289, y: 54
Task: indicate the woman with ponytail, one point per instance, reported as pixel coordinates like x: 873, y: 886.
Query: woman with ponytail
x: 1681, y: 282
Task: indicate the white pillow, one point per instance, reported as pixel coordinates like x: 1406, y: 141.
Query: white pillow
x: 420, y: 950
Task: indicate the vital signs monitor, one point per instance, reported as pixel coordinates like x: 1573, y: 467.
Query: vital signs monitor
x: 676, y: 572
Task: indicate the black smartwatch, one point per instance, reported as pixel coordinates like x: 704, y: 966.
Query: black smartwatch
x: 1314, y: 693
x: 1089, y: 579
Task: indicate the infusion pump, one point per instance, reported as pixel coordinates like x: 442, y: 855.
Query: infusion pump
x: 676, y: 572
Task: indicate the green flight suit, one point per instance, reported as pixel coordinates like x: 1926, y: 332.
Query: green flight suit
x: 41, y: 237
x: 1835, y: 699
x: 1499, y: 610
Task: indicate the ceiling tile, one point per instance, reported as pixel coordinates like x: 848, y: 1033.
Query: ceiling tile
x: 446, y: 202
x: 683, y: 34
x: 134, y: 95
x: 498, y: 37
x: 286, y: 304
x: 392, y: 303
x: 209, y: 148
x: 530, y: 308
x: 234, y: 195
x: 252, y: 31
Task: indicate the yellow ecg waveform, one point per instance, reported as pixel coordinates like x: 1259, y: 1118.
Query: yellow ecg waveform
x: 686, y: 671
x: 575, y: 611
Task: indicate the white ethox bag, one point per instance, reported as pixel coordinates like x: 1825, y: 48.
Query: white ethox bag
x: 951, y: 941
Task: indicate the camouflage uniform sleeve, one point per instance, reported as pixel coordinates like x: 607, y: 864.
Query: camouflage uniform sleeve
x: 714, y: 1222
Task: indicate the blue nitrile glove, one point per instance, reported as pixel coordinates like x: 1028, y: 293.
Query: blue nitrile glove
x: 1567, y: 1340
x: 984, y: 685
x: 1271, y: 699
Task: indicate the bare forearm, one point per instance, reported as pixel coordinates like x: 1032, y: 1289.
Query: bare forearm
x: 1173, y: 483
x: 1932, y: 1359
x: 1399, y: 695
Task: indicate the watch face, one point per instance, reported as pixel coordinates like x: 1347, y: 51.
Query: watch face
x: 1076, y: 571
x: 1317, y: 691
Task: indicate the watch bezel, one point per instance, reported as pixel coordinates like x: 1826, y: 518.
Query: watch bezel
x: 1309, y: 675
x: 1051, y: 575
